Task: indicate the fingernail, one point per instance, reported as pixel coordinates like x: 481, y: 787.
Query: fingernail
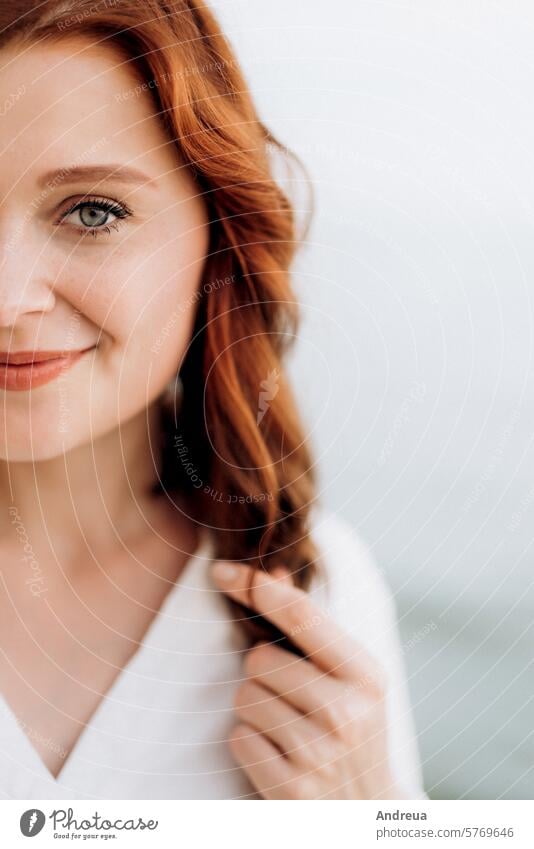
x: 225, y: 572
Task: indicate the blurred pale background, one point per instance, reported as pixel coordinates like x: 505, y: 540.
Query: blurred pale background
x: 415, y: 366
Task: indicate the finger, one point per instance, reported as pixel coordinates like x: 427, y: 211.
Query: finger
x: 262, y: 762
x: 299, y: 738
x: 295, y: 613
x: 281, y: 573
x: 329, y: 702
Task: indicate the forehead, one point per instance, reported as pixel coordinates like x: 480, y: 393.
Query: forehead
x: 65, y: 100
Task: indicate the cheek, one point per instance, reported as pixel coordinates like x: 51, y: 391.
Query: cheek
x: 141, y: 313
x: 152, y: 318
x: 144, y: 315
x: 128, y: 371
x: 133, y: 302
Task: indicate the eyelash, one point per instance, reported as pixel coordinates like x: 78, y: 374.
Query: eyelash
x: 119, y: 210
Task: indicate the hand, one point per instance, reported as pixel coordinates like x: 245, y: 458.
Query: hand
x: 313, y: 727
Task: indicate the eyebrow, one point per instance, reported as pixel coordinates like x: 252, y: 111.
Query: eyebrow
x: 95, y: 173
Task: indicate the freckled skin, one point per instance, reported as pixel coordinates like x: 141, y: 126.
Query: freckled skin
x: 59, y: 289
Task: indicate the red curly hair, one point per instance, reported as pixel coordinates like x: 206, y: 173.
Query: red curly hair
x: 247, y: 478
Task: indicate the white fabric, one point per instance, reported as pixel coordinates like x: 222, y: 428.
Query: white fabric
x: 160, y: 732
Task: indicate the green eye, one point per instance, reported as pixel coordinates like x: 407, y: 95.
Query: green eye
x: 91, y: 216
x: 94, y: 215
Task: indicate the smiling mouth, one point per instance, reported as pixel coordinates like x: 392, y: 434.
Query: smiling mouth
x: 23, y: 370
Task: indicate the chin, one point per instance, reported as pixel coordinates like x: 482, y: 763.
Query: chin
x: 25, y: 452
x: 34, y: 437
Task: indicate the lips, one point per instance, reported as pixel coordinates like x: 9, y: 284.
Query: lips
x: 23, y: 370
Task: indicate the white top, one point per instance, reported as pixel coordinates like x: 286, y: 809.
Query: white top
x: 160, y: 732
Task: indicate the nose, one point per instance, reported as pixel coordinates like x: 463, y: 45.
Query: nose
x: 24, y: 287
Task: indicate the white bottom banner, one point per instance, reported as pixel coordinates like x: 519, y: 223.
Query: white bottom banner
x: 268, y: 825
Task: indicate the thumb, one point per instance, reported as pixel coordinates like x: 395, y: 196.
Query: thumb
x: 281, y: 573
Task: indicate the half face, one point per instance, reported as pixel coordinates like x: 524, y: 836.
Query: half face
x: 103, y: 237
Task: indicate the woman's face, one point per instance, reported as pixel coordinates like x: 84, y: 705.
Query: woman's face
x: 103, y: 237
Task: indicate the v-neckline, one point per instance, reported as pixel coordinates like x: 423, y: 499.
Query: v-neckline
x: 203, y: 551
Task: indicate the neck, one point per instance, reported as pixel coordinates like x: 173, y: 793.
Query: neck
x: 87, y: 499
